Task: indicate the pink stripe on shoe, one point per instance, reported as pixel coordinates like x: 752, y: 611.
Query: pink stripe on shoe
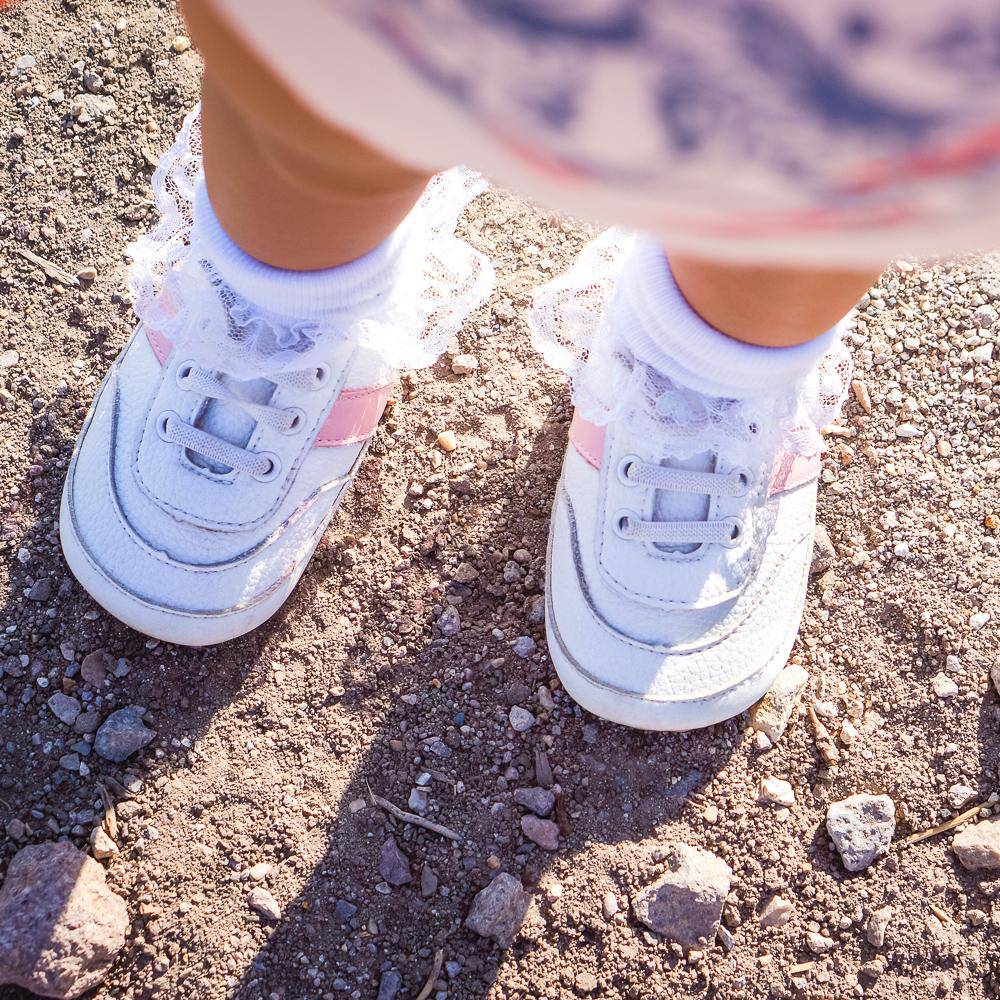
x: 790, y: 470
x: 160, y: 344
x: 588, y: 439
x: 352, y: 418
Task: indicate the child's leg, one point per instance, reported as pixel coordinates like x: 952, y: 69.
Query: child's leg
x: 288, y: 187
x: 771, y: 307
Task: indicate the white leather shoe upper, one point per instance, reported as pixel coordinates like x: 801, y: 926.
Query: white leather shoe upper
x: 676, y: 636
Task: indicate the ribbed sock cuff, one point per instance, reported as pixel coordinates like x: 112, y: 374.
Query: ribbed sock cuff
x: 300, y: 294
x: 664, y: 332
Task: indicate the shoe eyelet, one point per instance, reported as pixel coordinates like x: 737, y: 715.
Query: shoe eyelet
x: 746, y: 481
x: 737, y: 530
x: 273, y: 470
x: 621, y: 521
x: 323, y: 373
x: 183, y: 373
x: 161, y: 425
x: 623, y: 466
x: 298, y: 420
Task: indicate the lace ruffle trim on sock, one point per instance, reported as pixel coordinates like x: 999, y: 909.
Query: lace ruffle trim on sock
x: 404, y: 318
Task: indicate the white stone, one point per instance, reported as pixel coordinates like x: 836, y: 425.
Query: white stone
x: 944, y: 686
x: 861, y: 827
x: 777, y: 912
x: 771, y: 714
x: 521, y: 720
x: 777, y: 791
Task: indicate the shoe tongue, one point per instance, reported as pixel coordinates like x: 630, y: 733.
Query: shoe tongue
x: 228, y: 421
x: 671, y: 506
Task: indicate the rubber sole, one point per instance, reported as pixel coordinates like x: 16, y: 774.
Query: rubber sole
x: 638, y: 712
x: 182, y: 628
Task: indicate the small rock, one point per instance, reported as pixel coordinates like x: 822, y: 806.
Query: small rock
x: 93, y: 107
x: 101, y: 845
x: 776, y: 791
x: 64, y: 707
x: 498, y: 911
x: 848, y: 732
x: 960, y: 795
x: 447, y: 441
x: 877, y: 925
x: 534, y: 609
x: 944, y: 687
x: 777, y: 912
x: 40, y: 590
x: 521, y: 720
x: 978, y: 845
x: 524, y: 646
x: 15, y: 829
x: 818, y: 944
x: 70, y: 762
x: 861, y: 394
x: 87, y: 722
x: 908, y: 431
x: 24, y: 62
x: 181, y: 43
x: 609, y: 905
x: 543, y: 832
x: 389, y: 985
x: 985, y: 317
x: 393, y: 864
x: 93, y: 81
x: 449, y: 622
x: 263, y: 903
x: 344, y: 909
x: 861, y: 828
x: 61, y: 927
x: 122, y: 734
x: 428, y: 881
x: 418, y: 800
x: 543, y: 770
x: 771, y: 714
x: 586, y: 982
x: 464, y: 364
x: 978, y: 620
x: 539, y: 800
x: 685, y: 904
x: 96, y: 666
x: 824, y: 554
x: 258, y: 872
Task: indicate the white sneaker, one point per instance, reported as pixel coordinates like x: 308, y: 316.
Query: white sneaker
x: 682, y: 528
x: 225, y: 435
x: 660, y: 620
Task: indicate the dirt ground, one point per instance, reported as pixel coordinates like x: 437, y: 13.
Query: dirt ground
x: 266, y: 747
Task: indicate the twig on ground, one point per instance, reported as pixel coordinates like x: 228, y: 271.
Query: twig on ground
x: 110, y: 823
x: 408, y: 817
x: 915, y: 838
x: 54, y: 271
x: 824, y: 742
x: 432, y: 978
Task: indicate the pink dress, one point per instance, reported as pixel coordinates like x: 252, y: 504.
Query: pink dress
x: 832, y: 133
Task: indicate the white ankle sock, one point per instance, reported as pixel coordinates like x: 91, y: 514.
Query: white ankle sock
x: 666, y: 334
x: 297, y: 294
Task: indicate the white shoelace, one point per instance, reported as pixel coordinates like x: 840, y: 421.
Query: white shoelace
x: 285, y: 419
x: 632, y: 471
